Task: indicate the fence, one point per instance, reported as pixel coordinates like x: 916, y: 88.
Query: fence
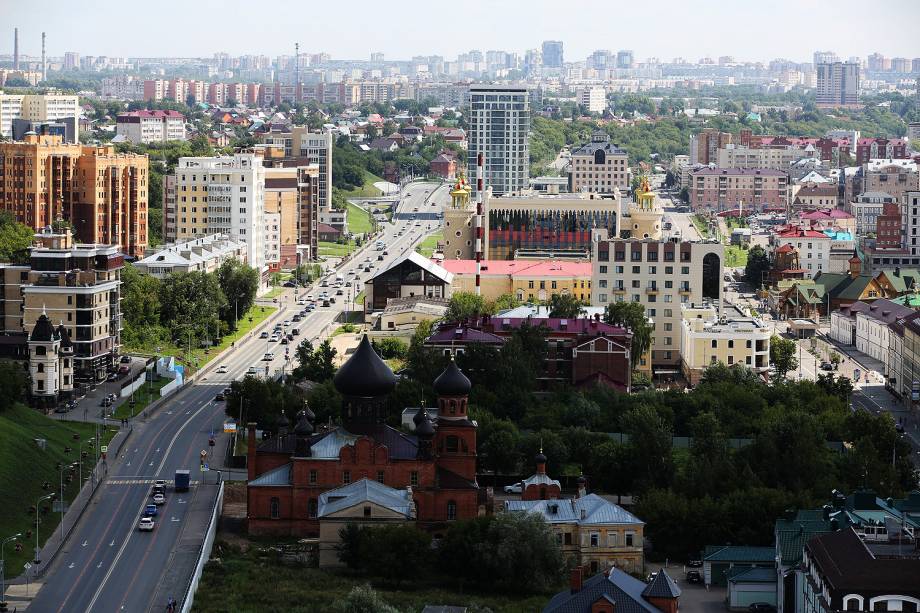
x: 205, y: 552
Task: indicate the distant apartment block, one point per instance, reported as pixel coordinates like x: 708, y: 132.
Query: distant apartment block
x: 39, y: 108
x: 122, y: 87
x: 599, y: 166
x: 725, y: 188
x: 151, y: 126
x: 592, y: 98
x: 894, y: 177
x: 704, y: 146
x: 838, y: 84
x: 499, y: 119
x: 101, y: 192
x: 880, y: 148
x: 739, y: 156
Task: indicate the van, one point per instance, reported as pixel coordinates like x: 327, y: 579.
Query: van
x: 339, y: 277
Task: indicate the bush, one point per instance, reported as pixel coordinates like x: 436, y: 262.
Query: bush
x: 390, y: 348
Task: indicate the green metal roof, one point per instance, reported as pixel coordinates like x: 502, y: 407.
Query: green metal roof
x: 791, y: 535
x: 753, y: 575
x: 741, y: 553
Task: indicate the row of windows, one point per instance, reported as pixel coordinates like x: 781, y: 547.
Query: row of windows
x: 274, y: 505
x: 652, y: 270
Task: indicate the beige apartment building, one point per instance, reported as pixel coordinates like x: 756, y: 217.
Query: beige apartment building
x: 101, y: 192
x: 292, y: 212
x: 894, y: 177
x: 708, y: 337
x: 599, y: 166
x: 316, y: 148
x: 740, y: 156
x: 77, y: 287
x: 38, y: 108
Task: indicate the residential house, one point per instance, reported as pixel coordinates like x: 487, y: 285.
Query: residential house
x: 815, y: 197
x: 444, y: 166
x: 384, y: 144
x: 615, y: 590
x: 843, y: 322
x: 729, y: 337
x: 828, y: 292
x: 872, y: 331
x: 411, y: 275
x: 402, y: 316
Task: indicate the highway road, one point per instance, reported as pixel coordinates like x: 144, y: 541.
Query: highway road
x: 107, y: 565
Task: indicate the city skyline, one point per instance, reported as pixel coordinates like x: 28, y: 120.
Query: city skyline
x: 665, y: 38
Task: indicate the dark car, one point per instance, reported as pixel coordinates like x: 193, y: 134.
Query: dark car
x: 827, y: 366
x: 264, y: 334
x: 220, y: 397
x: 380, y: 258
x: 123, y: 370
x: 694, y: 576
x: 295, y: 332
x: 125, y: 359
x: 339, y: 292
x: 284, y: 341
x: 761, y: 607
x: 290, y: 284
x: 112, y: 377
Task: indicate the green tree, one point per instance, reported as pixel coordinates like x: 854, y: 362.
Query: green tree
x: 782, y: 355
x: 758, y: 263
x: 239, y: 284
x: 363, y: 599
x: 15, y: 239
x: 315, y: 364
x: 350, y: 547
x: 465, y: 305
x: 389, y: 348
x: 14, y: 383
x: 650, y: 444
x: 497, y: 444
x: 631, y: 315
x: 189, y: 305
x: 565, y: 306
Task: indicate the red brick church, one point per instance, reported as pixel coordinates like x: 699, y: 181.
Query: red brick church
x: 436, y: 464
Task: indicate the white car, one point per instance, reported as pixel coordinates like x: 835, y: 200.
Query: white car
x: 268, y: 357
x: 286, y: 323
x: 273, y: 338
x: 159, y: 499
x: 146, y: 524
x: 253, y: 370
x: 302, y: 301
x: 517, y: 488
x: 221, y: 369
x: 309, y: 297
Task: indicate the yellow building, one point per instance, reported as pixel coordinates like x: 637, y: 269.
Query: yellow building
x: 645, y: 214
x: 732, y: 338
x: 526, y: 280
x: 459, y: 237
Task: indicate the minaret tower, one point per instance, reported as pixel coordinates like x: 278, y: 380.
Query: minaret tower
x: 459, y: 234
x: 645, y: 213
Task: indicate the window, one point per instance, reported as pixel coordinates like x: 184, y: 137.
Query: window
x: 274, y: 508
x: 603, y: 270
x: 367, y: 511
x: 346, y: 477
x: 41, y: 368
x: 452, y: 444
x: 715, y: 343
x: 379, y: 476
x: 635, y: 270
x: 611, y: 539
x: 312, y: 508
x: 595, y: 539
x: 568, y: 538
x: 629, y: 539
x: 312, y: 477
x: 451, y: 510
x: 413, y: 478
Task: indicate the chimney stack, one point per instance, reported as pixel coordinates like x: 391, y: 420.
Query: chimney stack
x: 44, y: 64
x: 15, y: 48
x: 575, y: 580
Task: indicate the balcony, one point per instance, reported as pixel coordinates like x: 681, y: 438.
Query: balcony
x: 651, y: 289
x: 618, y: 289
x: 684, y: 288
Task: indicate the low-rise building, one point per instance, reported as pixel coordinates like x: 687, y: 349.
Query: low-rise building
x: 402, y: 316
x: 709, y: 337
x: 526, y: 280
x: 615, y: 590
x: 203, y: 254
x: 873, y: 331
x: 412, y: 275
x: 151, y: 126
x: 895, y: 177
x: 599, y: 166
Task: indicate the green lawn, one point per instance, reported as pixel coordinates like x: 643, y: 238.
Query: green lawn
x: 272, y: 293
x: 359, y: 220
x: 147, y: 394
x: 199, y: 357
x: 335, y: 250
x: 257, y: 581
x: 24, y: 467
x: 702, y: 226
x: 367, y: 190
x: 735, y: 256
x: 427, y: 246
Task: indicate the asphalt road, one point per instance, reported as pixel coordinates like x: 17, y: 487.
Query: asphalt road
x: 107, y: 565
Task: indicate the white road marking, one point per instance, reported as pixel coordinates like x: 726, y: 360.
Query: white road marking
x: 99, y: 565
x: 174, y: 519
x: 121, y: 550
x: 85, y: 543
x: 71, y: 565
x: 112, y: 544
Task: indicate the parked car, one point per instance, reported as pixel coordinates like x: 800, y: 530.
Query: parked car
x: 827, y: 366
x: 285, y: 341
x: 146, y: 524
x: 339, y: 292
x: 516, y: 488
x: 273, y: 338
x: 694, y: 576
x: 220, y: 397
x: 61, y: 408
x: 125, y: 359
x: 123, y: 370
x: 112, y: 377
x: 380, y: 258
x: 264, y: 334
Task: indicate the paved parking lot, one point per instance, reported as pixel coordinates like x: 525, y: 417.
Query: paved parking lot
x: 694, y: 598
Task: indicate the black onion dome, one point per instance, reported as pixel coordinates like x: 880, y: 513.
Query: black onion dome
x: 43, y: 330
x: 452, y: 382
x: 540, y: 458
x: 65, y: 338
x: 365, y: 374
x: 306, y: 411
x: 303, y: 427
x: 424, y: 429
x: 419, y: 416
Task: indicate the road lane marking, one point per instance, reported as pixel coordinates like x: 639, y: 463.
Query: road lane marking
x: 112, y: 544
x: 121, y: 550
x: 85, y: 543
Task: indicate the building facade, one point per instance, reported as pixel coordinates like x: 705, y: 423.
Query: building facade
x: 526, y: 280
x: 151, y: 126
x: 203, y: 254
x: 734, y: 338
x: 705, y: 145
x: 838, y: 85
x: 39, y: 108
x: 599, y: 166
x: 499, y: 119
x: 724, y: 188
x: 313, y: 147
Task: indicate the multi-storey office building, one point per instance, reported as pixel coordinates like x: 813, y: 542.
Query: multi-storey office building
x: 101, y: 192
x: 599, y: 166
x: 39, y: 108
x: 499, y: 117
x: 223, y: 195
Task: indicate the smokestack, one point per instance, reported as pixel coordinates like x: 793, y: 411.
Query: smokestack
x: 15, y: 48
x: 477, y: 220
x: 44, y: 65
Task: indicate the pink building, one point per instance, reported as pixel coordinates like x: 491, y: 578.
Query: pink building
x: 723, y: 188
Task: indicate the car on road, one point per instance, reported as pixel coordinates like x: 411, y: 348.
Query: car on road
x: 273, y: 338
x: 253, y: 370
x: 285, y: 341
x: 295, y: 332
x: 295, y: 318
x: 125, y: 359
x: 694, y: 576
x: 325, y: 303
x: 220, y: 397
x: 286, y: 323
x: 340, y: 292
x: 159, y: 483
x: 761, y: 607
x: 146, y: 524
x: 159, y: 499
x: 289, y: 284
x: 264, y: 334
x: 386, y: 253
x: 105, y: 402
x: 367, y: 269
x: 222, y: 369
x: 123, y: 370
x: 151, y: 510
x: 380, y: 258
x: 268, y: 357
x: 827, y: 366
x: 515, y: 488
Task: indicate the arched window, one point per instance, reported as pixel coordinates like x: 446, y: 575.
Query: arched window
x: 451, y: 510
x: 453, y: 407
x: 600, y: 157
x: 312, y: 507
x: 41, y: 368
x: 274, y: 508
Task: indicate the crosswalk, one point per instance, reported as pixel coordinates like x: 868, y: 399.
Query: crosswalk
x: 117, y: 481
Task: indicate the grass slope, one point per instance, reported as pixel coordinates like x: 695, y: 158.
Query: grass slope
x: 367, y: 190
x: 359, y: 220
x: 255, y: 581
x: 24, y: 467
x: 427, y: 246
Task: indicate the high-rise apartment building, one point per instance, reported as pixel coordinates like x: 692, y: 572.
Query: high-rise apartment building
x: 625, y: 58
x: 593, y: 98
x: 499, y: 117
x: 838, y: 84
x: 316, y: 148
x: 101, y: 192
x: 223, y: 195
x: 151, y: 126
x: 291, y: 214
x: 552, y: 54
x: 71, y: 60
x: 719, y: 189
x: 599, y: 166
x: 704, y: 146
x: 39, y: 108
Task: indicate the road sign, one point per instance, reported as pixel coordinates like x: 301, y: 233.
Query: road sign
x: 27, y: 566
x: 856, y: 373
x: 204, y: 468
x: 104, y: 448
x: 229, y: 427
x: 203, y: 454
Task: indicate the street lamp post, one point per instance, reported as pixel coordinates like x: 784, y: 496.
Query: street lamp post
x: 64, y: 468
x: 3, y: 569
x: 38, y: 504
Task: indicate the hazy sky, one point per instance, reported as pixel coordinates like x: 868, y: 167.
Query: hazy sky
x: 352, y: 29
